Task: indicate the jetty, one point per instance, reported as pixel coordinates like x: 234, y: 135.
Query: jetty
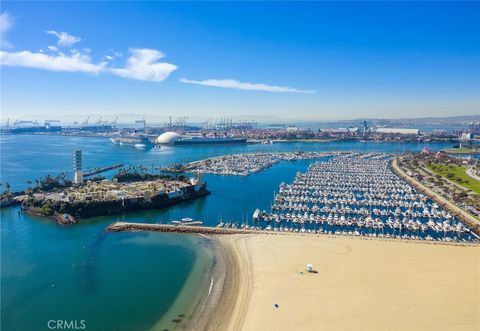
x: 97, y: 171
x: 205, y: 230
x: 126, y: 226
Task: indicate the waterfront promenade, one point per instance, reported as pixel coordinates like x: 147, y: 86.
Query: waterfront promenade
x: 460, y: 213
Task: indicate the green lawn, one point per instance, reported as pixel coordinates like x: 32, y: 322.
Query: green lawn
x: 456, y: 174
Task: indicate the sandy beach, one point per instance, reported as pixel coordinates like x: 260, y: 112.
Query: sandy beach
x: 361, y: 284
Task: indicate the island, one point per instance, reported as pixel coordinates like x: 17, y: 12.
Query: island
x: 124, y: 193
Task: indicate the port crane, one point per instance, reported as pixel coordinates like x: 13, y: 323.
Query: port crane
x: 49, y: 122
x: 142, y: 121
x: 180, y: 122
x: 114, y: 122
x: 18, y: 123
x: 228, y: 123
x: 207, y: 123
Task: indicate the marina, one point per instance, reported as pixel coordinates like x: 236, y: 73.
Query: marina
x: 245, y: 164
x: 359, y: 195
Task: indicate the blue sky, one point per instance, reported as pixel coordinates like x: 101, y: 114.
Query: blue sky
x: 252, y: 60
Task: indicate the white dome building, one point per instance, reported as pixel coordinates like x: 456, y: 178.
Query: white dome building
x: 168, y: 138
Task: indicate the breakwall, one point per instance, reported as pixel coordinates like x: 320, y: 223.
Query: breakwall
x: 188, y: 229
x: 124, y: 226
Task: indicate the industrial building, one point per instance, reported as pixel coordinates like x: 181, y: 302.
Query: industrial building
x: 398, y: 131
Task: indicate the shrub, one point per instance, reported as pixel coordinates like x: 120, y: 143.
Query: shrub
x: 46, y: 209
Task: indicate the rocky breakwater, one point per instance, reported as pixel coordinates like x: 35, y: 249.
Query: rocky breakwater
x: 123, y: 227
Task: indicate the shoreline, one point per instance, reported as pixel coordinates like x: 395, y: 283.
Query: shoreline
x: 87, y: 209
x: 213, y: 312
x: 182, y: 314
x: 221, y: 285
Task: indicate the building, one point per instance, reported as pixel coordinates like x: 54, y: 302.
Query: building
x: 398, y: 131
x: 426, y: 150
x: 466, y: 139
x: 365, y: 127
x: 77, y: 167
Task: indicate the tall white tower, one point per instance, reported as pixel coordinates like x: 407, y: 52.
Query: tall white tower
x: 77, y: 167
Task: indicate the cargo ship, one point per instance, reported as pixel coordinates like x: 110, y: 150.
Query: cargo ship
x: 134, y: 141
x: 173, y: 138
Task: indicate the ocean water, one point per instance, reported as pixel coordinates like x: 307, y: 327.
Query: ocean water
x: 123, y: 281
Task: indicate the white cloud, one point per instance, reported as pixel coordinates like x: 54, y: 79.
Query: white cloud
x: 6, y: 23
x: 64, y: 39
x: 112, y: 55
x: 235, y: 84
x: 75, y: 62
x: 143, y: 65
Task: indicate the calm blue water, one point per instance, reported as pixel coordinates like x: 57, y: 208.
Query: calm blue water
x: 120, y: 281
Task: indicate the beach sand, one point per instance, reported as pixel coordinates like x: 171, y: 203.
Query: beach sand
x: 361, y: 284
